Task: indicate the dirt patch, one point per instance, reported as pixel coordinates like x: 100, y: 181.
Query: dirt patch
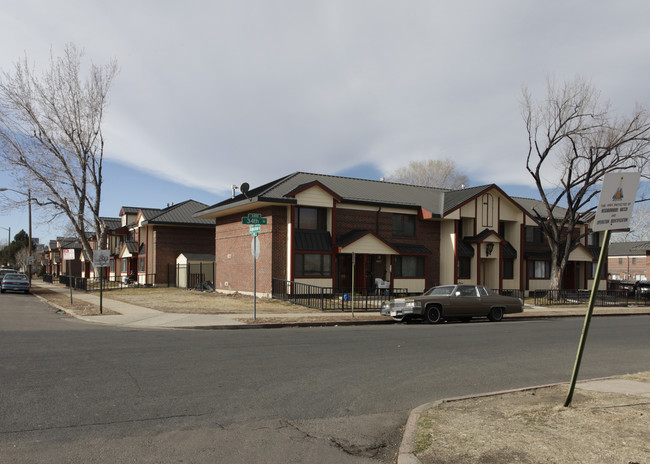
x: 59, y: 300
x: 533, y: 427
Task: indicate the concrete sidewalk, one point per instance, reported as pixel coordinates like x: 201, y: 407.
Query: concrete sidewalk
x: 138, y: 316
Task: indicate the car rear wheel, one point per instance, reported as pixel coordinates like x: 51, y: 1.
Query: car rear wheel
x: 433, y: 315
x: 496, y: 314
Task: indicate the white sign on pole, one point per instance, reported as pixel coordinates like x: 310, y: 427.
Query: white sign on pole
x: 616, y: 202
x: 101, y: 258
x: 68, y: 254
x: 255, y: 247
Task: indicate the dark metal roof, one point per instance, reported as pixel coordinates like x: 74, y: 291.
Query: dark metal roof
x: 349, y: 237
x: 198, y: 256
x: 485, y: 233
x: 350, y: 190
x: 537, y: 209
x: 456, y: 198
x: 111, y: 223
x: 410, y: 249
x: 178, y: 214
x: 313, y: 240
x: 628, y: 248
x: 509, y: 252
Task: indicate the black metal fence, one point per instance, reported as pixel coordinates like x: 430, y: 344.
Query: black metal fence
x: 334, y: 299
x: 580, y: 297
x: 517, y: 293
x: 92, y: 284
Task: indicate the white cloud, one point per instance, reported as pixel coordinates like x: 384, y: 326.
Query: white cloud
x: 212, y: 93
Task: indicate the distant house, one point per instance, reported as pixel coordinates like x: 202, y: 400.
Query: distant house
x: 629, y: 260
x: 321, y: 229
x: 63, y: 257
x: 149, y: 240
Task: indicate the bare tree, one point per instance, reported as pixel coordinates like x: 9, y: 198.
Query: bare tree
x: 51, y: 137
x: 573, y: 141
x: 431, y: 173
x: 639, y: 226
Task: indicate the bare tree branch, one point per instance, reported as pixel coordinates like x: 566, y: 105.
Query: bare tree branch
x: 572, y: 134
x: 51, y: 136
x: 431, y: 173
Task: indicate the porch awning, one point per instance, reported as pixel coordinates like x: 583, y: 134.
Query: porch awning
x: 408, y: 249
x: 364, y: 242
x: 313, y: 240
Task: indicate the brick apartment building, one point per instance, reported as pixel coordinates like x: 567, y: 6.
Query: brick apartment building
x: 410, y: 237
x: 629, y: 260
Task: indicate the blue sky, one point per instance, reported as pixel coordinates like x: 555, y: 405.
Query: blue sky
x: 217, y: 93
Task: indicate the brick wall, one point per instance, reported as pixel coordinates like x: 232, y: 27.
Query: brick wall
x: 628, y: 270
x: 234, y: 261
x: 171, y: 241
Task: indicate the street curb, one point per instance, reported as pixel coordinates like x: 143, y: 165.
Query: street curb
x: 407, y: 456
x: 282, y: 325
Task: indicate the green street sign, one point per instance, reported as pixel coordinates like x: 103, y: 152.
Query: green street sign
x: 254, y: 228
x: 254, y: 218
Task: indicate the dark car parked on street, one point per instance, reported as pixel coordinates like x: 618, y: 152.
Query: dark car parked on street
x: 15, y: 282
x: 462, y: 302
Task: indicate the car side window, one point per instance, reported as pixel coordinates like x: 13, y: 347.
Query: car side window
x: 482, y: 291
x: 467, y: 291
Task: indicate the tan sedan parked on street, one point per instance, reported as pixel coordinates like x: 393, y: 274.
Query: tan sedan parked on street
x: 462, y: 302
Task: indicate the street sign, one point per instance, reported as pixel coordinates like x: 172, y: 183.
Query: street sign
x: 254, y: 218
x: 68, y: 254
x: 254, y: 228
x: 101, y: 258
x: 616, y: 202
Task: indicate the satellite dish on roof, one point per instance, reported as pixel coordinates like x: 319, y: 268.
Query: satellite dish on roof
x: 244, y: 189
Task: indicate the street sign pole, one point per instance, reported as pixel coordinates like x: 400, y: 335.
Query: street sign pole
x: 101, y: 288
x: 254, y: 278
x: 615, y: 207
x: 353, y: 265
x: 590, y: 310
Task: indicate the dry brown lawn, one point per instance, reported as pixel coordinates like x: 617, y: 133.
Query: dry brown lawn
x: 59, y: 300
x: 534, y: 427
x: 177, y: 300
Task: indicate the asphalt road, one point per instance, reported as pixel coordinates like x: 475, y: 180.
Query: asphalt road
x: 75, y: 392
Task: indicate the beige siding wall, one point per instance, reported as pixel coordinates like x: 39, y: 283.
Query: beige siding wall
x: 314, y: 196
x: 412, y: 285
x: 319, y: 282
x: 447, y: 239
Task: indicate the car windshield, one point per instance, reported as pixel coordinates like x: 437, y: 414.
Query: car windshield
x: 16, y: 277
x: 444, y: 290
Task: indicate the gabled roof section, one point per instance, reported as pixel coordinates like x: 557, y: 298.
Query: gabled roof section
x: 302, y: 188
x: 111, y: 223
x: 536, y: 208
x: 178, y: 214
x: 457, y: 198
x: 369, y: 243
x: 482, y: 236
x: 454, y: 199
x: 349, y: 190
